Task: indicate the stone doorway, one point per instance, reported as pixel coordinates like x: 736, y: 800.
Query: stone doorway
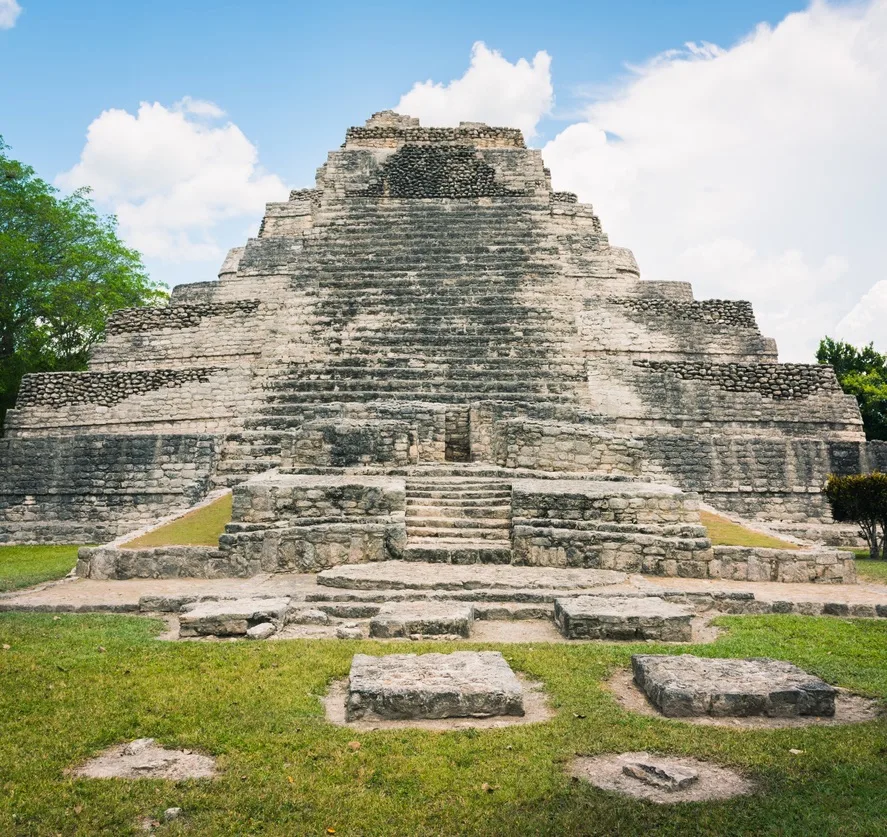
x: 458, y: 440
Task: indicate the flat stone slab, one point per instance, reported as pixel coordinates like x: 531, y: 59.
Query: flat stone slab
x: 687, y: 686
x: 618, y: 617
x: 232, y: 617
x: 465, y: 684
x: 403, y: 619
x: 410, y: 575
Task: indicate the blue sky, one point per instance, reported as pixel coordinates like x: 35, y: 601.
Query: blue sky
x: 736, y: 145
x: 294, y: 75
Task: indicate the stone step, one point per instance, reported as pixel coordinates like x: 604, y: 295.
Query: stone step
x: 491, y: 526
x: 458, y: 551
x: 480, y: 513
x: 463, y: 494
x: 447, y: 533
x: 458, y: 483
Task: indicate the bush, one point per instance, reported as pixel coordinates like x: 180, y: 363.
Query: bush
x: 861, y: 499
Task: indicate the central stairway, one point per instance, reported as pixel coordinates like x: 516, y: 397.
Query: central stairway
x: 458, y: 520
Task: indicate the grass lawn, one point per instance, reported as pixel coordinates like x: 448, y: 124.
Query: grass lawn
x: 724, y: 532
x: 76, y: 684
x: 201, y: 527
x: 868, y: 569
x: 24, y: 566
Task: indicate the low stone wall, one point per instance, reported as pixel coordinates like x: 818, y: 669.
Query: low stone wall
x: 632, y: 527
x: 306, y: 523
x: 107, y: 562
x: 742, y: 563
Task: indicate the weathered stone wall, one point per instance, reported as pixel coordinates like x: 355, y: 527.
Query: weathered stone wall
x: 630, y: 527
x: 94, y: 488
x: 108, y: 562
x: 302, y: 523
x: 742, y: 563
x: 559, y: 446
x: 350, y: 442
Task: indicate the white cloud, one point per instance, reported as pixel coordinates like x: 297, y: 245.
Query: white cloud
x: 493, y: 90
x: 9, y: 12
x: 755, y: 172
x: 171, y: 176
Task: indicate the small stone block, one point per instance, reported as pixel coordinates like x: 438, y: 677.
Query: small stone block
x: 623, y: 617
x: 661, y: 775
x: 402, y: 619
x: 231, y: 617
x: 465, y: 684
x: 261, y: 631
x: 687, y: 686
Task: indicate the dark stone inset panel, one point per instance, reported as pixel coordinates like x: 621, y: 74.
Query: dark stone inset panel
x: 437, y: 171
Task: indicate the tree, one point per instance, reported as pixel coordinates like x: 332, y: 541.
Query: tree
x: 862, y: 499
x: 63, y: 270
x: 863, y: 373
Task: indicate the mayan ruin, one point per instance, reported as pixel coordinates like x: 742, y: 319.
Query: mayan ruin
x: 432, y: 356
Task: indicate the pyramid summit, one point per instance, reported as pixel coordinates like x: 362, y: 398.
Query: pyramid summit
x: 432, y: 310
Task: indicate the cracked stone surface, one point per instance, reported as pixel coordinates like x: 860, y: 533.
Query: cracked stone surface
x: 464, y: 684
x: 686, y: 686
x: 618, y: 773
x: 661, y: 774
x: 629, y: 618
x: 402, y: 619
x: 231, y: 617
x: 405, y: 575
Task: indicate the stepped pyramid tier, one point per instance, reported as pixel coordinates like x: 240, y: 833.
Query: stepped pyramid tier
x: 433, y: 319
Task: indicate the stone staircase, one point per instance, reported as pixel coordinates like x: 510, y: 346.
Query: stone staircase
x: 246, y: 454
x: 458, y: 520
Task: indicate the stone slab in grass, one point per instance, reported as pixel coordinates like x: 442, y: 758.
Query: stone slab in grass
x: 404, y: 619
x: 464, y: 684
x: 623, y: 617
x: 688, y: 686
x: 231, y: 617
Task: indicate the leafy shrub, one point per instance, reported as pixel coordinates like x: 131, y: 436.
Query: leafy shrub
x: 861, y: 499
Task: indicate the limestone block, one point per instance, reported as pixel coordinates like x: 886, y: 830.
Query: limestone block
x: 685, y: 685
x: 623, y: 618
x: 403, y: 619
x: 459, y: 685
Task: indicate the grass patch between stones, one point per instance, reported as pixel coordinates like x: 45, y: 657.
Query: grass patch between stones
x: 725, y: 532
x: 25, y: 566
x: 200, y: 527
x: 76, y: 684
x: 869, y: 569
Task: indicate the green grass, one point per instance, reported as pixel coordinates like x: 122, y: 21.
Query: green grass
x: 74, y: 685
x: 201, y: 527
x: 868, y: 569
x: 24, y: 566
x: 725, y: 532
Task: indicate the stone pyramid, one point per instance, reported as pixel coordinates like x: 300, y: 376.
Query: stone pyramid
x: 430, y: 302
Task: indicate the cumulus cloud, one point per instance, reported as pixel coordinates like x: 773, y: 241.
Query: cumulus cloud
x: 755, y: 171
x: 171, y: 175
x: 493, y: 90
x: 9, y: 12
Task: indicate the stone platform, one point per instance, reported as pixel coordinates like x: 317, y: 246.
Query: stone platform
x: 407, y: 619
x: 688, y: 686
x: 623, y: 618
x: 464, y: 684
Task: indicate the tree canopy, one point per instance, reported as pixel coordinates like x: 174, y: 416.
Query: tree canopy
x: 862, y: 499
x: 63, y: 270
x: 863, y: 373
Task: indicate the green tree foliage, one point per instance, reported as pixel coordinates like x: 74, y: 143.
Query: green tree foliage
x: 863, y: 373
x: 862, y: 499
x: 63, y: 270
